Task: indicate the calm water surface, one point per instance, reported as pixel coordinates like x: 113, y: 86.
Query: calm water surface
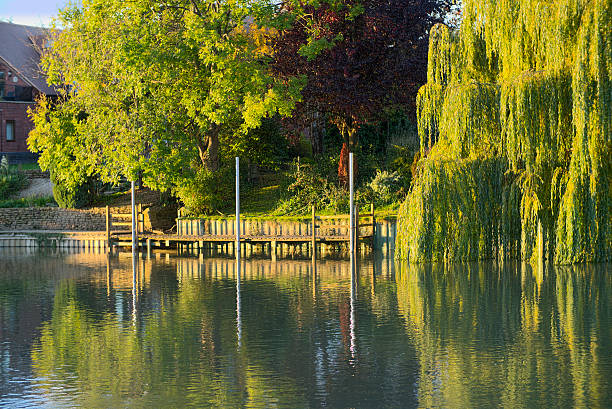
x: 84, y: 330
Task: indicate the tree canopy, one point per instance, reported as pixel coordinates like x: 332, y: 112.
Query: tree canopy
x: 515, y: 121
x: 158, y: 89
x: 360, y: 57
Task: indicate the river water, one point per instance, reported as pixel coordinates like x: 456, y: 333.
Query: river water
x: 84, y: 330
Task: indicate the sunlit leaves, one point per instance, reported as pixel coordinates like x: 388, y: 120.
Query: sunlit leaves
x: 547, y: 112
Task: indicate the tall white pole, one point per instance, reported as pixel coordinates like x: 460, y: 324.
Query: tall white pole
x: 134, y: 234
x: 353, y: 346
x: 238, y: 309
x: 351, y: 204
x: 238, y: 212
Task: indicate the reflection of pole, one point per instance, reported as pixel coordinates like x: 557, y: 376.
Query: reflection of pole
x: 134, y: 234
x: 373, y: 280
x: 314, y: 275
x: 109, y: 273
x: 238, y: 313
x: 134, y: 285
x: 353, y: 299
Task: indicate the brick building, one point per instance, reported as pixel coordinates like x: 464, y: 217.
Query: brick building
x: 21, y: 81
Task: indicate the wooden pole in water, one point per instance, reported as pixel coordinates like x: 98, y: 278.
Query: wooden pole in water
x: 314, y: 236
x: 140, y: 227
x: 134, y: 232
x: 238, y: 211
x: 108, y: 230
x: 373, y: 223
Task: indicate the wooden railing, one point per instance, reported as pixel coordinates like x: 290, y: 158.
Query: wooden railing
x: 122, y: 220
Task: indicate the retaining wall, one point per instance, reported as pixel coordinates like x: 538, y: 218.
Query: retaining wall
x: 50, y: 218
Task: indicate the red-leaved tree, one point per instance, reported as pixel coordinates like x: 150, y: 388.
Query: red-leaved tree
x: 361, y: 59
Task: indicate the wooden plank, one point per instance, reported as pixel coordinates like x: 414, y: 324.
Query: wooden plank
x: 334, y: 226
x: 122, y: 223
x: 342, y: 216
x: 126, y: 215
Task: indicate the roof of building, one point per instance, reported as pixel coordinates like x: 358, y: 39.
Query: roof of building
x: 19, y: 47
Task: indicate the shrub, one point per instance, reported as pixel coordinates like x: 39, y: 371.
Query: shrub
x: 70, y: 198
x: 384, y: 188
x: 11, y: 180
x: 206, y: 192
x: 74, y: 197
x: 308, y: 186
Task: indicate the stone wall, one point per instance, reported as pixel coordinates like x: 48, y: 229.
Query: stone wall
x: 50, y: 218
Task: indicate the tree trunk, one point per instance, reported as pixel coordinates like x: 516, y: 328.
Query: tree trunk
x: 349, y: 144
x: 317, y: 134
x: 208, y: 150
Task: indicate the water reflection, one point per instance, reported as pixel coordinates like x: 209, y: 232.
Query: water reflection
x: 513, y: 337
x: 122, y: 331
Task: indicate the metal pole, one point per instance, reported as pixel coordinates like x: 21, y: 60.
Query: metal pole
x: 134, y: 234
x: 238, y: 212
x: 351, y: 204
x: 108, y: 230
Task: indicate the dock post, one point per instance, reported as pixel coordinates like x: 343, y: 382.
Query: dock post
x: 314, y: 233
x: 238, y: 213
x: 373, y: 225
x: 352, y: 207
x: 273, y: 250
x: 148, y: 248
x: 108, y: 230
x: 134, y: 232
x: 141, y: 229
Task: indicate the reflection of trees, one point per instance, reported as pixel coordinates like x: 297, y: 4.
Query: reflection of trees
x: 182, y: 348
x: 487, y: 336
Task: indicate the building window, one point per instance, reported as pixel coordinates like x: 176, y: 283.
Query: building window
x: 10, y: 131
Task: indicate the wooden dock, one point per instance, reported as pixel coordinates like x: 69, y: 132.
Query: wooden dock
x: 266, y: 237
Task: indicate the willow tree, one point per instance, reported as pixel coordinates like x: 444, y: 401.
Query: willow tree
x: 515, y: 127
x: 158, y: 88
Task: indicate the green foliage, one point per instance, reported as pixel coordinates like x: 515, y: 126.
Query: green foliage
x: 455, y: 211
x: 206, y: 191
x: 309, y: 185
x: 163, y: 92
x: 384, y: 188
x: 73, y: 197
x: 266, y: 145
x: 525, y: 85
x: 11, y: 180
x: 27, y: 202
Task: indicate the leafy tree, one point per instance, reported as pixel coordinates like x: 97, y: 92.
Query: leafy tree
x: 160, y: 89
x: 361, y: 59
x: 516, y: 122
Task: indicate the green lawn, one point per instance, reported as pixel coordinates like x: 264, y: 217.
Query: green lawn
x: 25, y: 166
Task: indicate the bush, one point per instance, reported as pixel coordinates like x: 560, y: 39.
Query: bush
x: 384, y: 188
x: 206, y: 192
x: 70, y: 198
x: 74, y: 198
x: 308, y: 186
x: 11, y: 180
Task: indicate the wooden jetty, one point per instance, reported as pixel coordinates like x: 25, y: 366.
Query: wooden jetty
x: 267, y: 237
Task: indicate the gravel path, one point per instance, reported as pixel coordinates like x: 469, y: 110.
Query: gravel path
x: 37, y: 188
